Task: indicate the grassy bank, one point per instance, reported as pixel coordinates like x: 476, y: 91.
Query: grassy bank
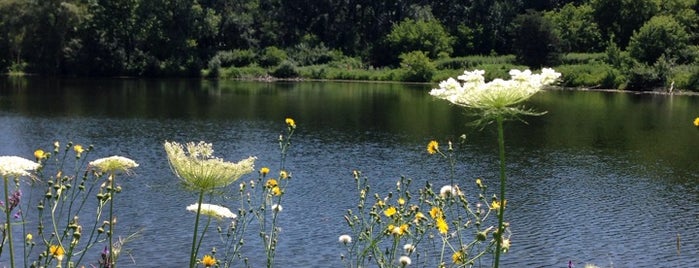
x: 580, y: 70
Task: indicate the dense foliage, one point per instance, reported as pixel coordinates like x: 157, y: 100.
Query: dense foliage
x: 184, y: 37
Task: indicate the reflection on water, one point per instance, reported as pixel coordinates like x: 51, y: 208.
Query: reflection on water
x: 604, y: 178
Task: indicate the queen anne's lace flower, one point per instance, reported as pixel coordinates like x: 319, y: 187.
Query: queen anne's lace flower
x: 15, y: 166
x: 114, y: 164
x: 496, y: 94
x: 200, y: 170
x: 213, y: 210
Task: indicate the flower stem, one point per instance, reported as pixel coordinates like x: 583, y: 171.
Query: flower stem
x: 193, y: 253
x: 112, y: 222
x: 8, y: 226
x: 503, y: 179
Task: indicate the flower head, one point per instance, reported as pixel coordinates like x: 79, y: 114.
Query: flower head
x: 40, y: 154
x: 264, y: 171
x: 277, y: 208
x: 432, y: 147
x: 409, y: 248
x: 696, y: 122
x: 56, y: 251
x: 442, y: 226
x: 199, y: 169
x: 458, y: 257
x: 345, y: 239
x: 390, y: 211
x: 404, y: 260
x: 114, y: 164
x: 15, y: 166
x: 208, y: 261
x: 436, y: 212
x: 496, y: 95
x: 213, y: 211
x: 290, y: 122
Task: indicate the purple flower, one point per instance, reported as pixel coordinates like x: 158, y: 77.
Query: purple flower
x: 14, y: 200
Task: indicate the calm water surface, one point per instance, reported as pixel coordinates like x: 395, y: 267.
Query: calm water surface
x: 604, y: 178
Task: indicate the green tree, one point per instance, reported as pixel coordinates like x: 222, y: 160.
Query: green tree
x: 535, y: 41
x: 619, y: 18
x: 420, y: 35
x: 576, y: 28
x: 661, y: 35
x: 14, y: 25
x: 417, y: 67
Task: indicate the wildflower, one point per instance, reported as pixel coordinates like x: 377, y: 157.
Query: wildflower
x: 271, y: 183
x: 78, y: 150
x: 390, y: 211
x: 432, y: 147
x: 14, y: 199
x: 436, y: 212
x: 495, y: 205
x: 409, y: 248
x: 40, y: 154
x: 404, y: 260
x: 419, y: 217
x: 208, y: 261
x: 398, y: 230
x: 276, y: 191
x: 458, y: 257
x: 56, y: 251
x: 696, y: 122
x: 401, y: 201
x: 290, y: 122
x: 114, y: 164
x: 200, y: 170
x: 15, y: 166
x: 277, y: 208
x: 345, y: 239
x: 448, y: 190
x: 264, y: 171
x: 213, y: 211
x: 442, y: 226
x: 479, y: 183
x: 283, y: 174
x: 495, y: 96
x: 505, y: 245
x: 29, y: 238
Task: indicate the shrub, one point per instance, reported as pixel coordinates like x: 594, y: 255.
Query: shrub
x: 421, y: 35
x: 286, y: 69
x: 598, y: 75
x: 661, y: 35
x: 272, y: 56
x: 417, y: 67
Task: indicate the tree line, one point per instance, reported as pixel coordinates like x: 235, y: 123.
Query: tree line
x: 182, y: 37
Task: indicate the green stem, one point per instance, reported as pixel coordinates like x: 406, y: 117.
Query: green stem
x: 8, y: 226
x: 501, y: 211
x: 193, y: 253
x: 112, y: 256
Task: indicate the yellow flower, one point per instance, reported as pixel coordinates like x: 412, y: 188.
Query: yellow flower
x: 398, y: 230
x: 436, y: 212
x: 56, y: 251
x: 208, y: 261
x: 419, y: 217
x: 40, y: 154
x: 78, y: 149
x: 505, y: 245
x: 276, y: 191
x: 390, y: 211
x: 264, y: 171
x: 401, y: 201
x: 432, y: 147
x: 479, y: 183
x: 495, y: 205
x: 271, y: 183
x: 283, y: 174
x: 29, y: 238
x: 696, y: 122
x: 442, y: 226
x: 380, y: 203
x: 291, y: 122
x: 458, y: 257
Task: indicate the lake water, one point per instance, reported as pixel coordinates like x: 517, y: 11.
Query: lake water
x: 604, y: 178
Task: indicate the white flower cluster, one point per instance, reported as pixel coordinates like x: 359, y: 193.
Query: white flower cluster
x: 114, y: 164
x: 213, y: 210
x: 475, y: 93
x: 199, y: 169
x: 15, y: 166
